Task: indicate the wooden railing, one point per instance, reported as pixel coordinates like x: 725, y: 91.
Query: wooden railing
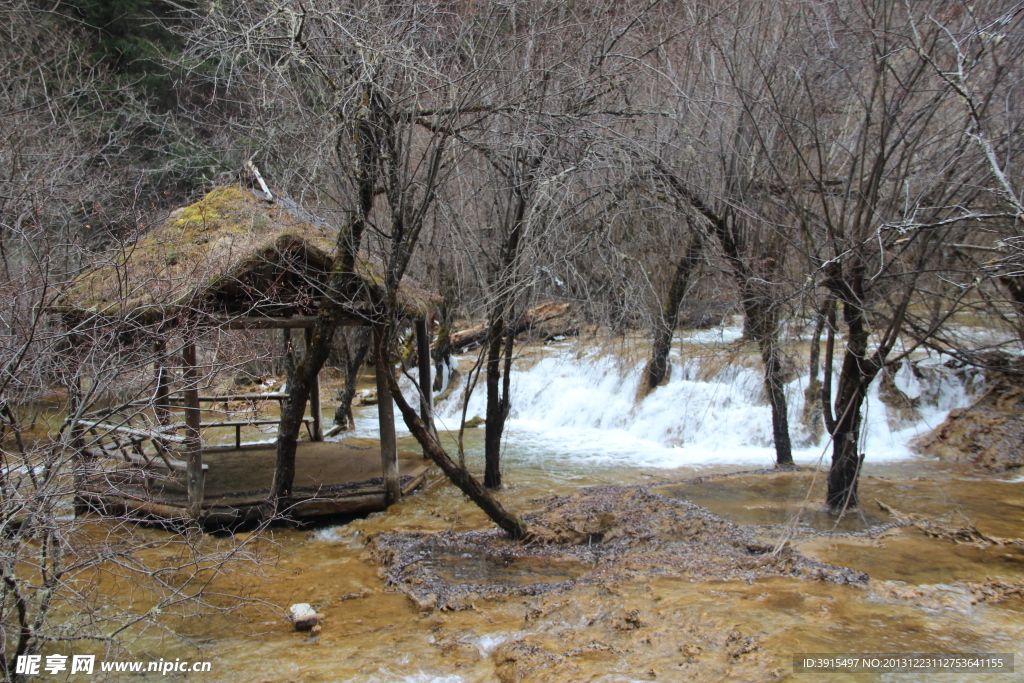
x: 127, y: 443
x: 227, y: 399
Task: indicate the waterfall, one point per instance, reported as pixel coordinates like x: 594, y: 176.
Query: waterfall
x: 581, y: 404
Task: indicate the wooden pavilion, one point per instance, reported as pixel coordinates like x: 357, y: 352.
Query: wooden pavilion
x: 237, y: 259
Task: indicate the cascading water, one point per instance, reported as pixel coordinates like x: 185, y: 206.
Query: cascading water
x: 575, y: 404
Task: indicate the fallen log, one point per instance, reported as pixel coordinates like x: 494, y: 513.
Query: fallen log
x: 542, y: 322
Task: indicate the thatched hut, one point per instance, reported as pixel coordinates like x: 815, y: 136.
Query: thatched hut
x: 236, y: 259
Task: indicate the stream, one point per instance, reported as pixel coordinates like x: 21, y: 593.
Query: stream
x: 575, y: 424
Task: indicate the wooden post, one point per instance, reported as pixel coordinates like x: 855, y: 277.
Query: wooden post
x: 386, y: 413
x: 193, y: 443
x: 426, y: 386
x: 75, y: 406
x: 314, y: 396
x: 74, y: 387
x: 162, y: 403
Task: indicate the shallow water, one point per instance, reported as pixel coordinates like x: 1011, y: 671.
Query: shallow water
x: 687, y: 628
x: 575, y: 424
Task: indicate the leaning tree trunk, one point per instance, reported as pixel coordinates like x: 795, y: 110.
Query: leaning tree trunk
x: 342, y: 286
x: 299, y: 389
x: 657, y: 369
x: 510, y: 523
x: 760, y: 322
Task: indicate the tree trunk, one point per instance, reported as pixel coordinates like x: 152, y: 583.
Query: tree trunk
x: 315, y: 411
x: 505, y: 290
x: 854, y: 378
x: 811, y: 417
x: 342, y: 287
x: 758, y: 304
x: 293, y: 410
x: 826, y: 373
x: 510, y: 523
x: 657, y: 368
x: 423, y: 363
x: 495, y: 423
x: 386, y: 415
x: 354, y: 359
x: 761, y: 323
x: 846, y: 459
x: 774, y: 386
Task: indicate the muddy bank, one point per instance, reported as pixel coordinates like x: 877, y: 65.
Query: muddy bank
x: 600, y: 535
x: 988, y: 434
x: 626, y: 584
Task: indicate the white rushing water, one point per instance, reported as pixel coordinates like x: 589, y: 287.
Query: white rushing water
x: 575, y: 406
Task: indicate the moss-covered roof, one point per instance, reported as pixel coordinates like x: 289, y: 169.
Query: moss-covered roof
x: 230, y: 253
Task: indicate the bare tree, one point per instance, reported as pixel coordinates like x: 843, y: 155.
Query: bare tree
x: 877, y: 173
x: 389, y: 80
x: 976, y: 52
x: 68, y: 194
x: 717, y: 159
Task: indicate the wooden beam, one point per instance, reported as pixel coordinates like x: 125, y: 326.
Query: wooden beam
x: 163, y: 434
x: 386, y: 420
x: 269, y: 396
x: 426, y: 386
x: 251, y: 168
x: 314, y: 396
x: 263, y: 323
x: 193, y: 442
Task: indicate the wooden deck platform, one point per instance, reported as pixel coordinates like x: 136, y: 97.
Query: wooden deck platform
x: 330, y: 478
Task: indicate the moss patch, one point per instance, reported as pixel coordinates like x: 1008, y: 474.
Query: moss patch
x: 230, y: 252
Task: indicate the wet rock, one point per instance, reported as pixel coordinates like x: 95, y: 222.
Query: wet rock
x: 901, y: 411
x: 367, y: 397
x: 304, y: 617
x: 988, y: 434
x: 516, y: 661
x: 630, y: 622
x: 737, y: 644
x: 691, y: 651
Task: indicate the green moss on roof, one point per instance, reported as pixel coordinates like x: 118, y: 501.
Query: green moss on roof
x: 214, y: 250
